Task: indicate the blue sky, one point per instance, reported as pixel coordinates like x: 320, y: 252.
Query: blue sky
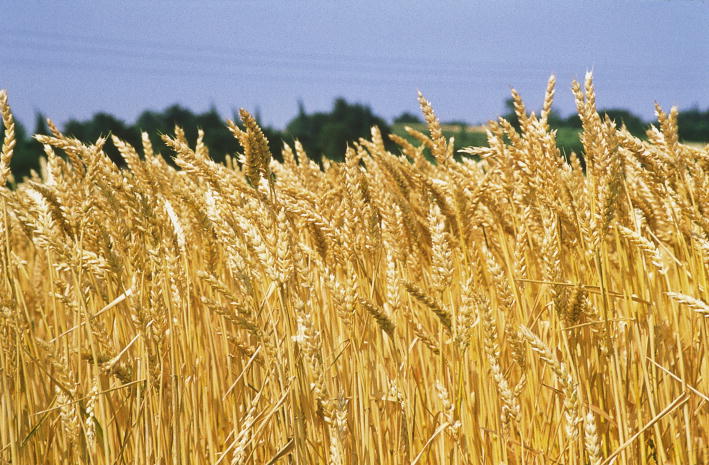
x: 70, y: 59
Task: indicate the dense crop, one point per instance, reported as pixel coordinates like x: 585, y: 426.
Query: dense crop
x: 509, y: 307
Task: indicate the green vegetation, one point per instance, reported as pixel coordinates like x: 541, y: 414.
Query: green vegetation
x: 320, y: 133
x: 463, y: 135
x: 328, y: 134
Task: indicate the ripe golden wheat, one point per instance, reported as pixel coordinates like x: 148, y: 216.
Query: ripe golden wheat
x: 506, y: 307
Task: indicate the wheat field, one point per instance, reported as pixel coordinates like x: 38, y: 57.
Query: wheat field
x: 503, y: 305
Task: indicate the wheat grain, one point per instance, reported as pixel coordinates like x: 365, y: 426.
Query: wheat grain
x: 259, y: 291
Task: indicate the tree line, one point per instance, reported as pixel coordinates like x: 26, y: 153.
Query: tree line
x: 321, y: 133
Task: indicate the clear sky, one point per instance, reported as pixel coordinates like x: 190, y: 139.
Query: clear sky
x: 74, y: 58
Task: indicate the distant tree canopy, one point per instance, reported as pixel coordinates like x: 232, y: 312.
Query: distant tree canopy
x: 634, y: 123
x: 102, y: 125
x: 621, y: 117
x: 321, y: 133
x: 217, y: 138
x: 693, y: 124
x: 329, y: 133
x: 407, y: 118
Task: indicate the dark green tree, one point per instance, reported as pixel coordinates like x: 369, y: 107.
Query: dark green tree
x: 103, y: 125
x: 329, y: 133
x: 694, y: 124
x: 407, y: 118
x: 510, y: 114
x: 321, y: 133
x: 554, y: 119
x: 217, y: 137
x: 632, y: 122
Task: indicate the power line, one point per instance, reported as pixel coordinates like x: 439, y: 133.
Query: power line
x: 263, y: 60
x: 208, y: 51
x: 301, y: 76
x: 228, y: 51
x: 286, y: 70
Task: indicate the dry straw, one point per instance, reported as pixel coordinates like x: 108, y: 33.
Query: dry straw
x: 374, y: 311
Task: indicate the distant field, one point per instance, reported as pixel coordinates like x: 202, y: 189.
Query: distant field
x: 467, y: 136
x: 567, y: 138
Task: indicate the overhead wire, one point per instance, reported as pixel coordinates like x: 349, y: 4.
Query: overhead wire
x: 287, y: 61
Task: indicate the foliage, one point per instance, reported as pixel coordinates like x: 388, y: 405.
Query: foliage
x: 320, y: 133
x: 407, y: 118
x: 694, y: 124
x: 463, y: 135
x: 327, y: 134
